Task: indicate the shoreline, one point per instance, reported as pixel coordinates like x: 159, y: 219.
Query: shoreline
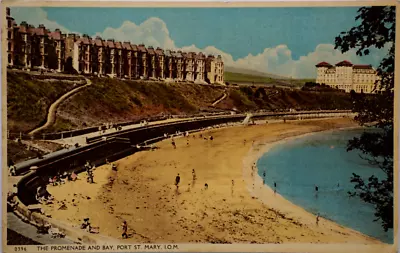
x: 265, y: 193
x: 222, y: 214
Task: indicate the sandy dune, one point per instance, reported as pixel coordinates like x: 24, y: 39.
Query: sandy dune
x: 143, y: 193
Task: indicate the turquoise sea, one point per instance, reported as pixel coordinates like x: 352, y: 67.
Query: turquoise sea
x: 321, y: 159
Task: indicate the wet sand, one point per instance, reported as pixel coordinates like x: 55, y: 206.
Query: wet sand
x: 143, y: 193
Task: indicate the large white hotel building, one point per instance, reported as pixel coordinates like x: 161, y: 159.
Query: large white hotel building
x: 347, y: 76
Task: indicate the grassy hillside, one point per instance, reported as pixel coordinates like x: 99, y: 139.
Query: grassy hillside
x: 111, y: 100
x: 28, y: 99
x: 239, y: 77
x: 247, y: 99
x: 235, y: 77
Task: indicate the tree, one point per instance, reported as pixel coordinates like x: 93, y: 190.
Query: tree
x: 376, y: 28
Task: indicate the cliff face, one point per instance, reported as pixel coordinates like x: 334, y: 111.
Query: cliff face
x: 112, y: 100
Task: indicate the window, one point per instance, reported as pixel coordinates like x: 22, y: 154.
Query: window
x: 9, y: 46
x: 9, y: 58
x: 9, y: 34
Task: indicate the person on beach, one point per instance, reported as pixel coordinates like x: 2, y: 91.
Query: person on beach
x: 205, y: 186
x: 177, y: 180
x: 73, y: 176
x: 244, y: 142
x: 187, y: 143
x: 317, y: 219
x: 90, y: 178
x: 193, y: 174
x: 12, y: 170
x: 124, y: 230
x: 274, y: 187
x: 211, y: 138
x: 173, y: 143
x: 114, y: 167
x: 264, y: 177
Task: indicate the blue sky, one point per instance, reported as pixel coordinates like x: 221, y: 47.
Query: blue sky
x: 238, y: 31
x: 282, y: 41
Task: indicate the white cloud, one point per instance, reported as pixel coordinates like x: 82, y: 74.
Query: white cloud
x: 152, y: 32
x: 275, y: 60
x: 36, y: 16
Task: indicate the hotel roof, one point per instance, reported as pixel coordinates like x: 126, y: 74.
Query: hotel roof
x: 126, y: 45
x: 99, y: 42
x: 142, y: 48
x: 110, y: 43
x: 344, y: 63
x: 57, y: 35
x: 159, y: 51
x: 134, y: 47
x: 323, y: 64
x: 200, y: 56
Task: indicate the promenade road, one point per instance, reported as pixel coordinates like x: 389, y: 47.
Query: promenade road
x: 29, y: 231
x: 81, y: 139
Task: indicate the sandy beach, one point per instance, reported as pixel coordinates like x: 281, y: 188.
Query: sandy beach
x: 143, y: 193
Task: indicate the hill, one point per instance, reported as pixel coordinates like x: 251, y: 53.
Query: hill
x: 252, y: 72
x: 29, y: 96
x: 115, y: 100
x: 254, y: 77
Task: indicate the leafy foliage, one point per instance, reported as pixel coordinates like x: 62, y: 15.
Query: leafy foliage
x: 376, y: 28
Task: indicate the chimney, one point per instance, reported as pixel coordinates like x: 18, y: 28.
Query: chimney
x: 23, y: 23
x: 57, y: 30
x: 8, y: 11
x: 41, y: 26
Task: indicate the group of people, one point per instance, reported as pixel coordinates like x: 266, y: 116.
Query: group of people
x: 186, y: 134
x: 60, y: 178
x: 88, y: 227
x: 194, y: 177
x: 43, y: 196
x: 89, y: 170
x: 253, y: 168
x: 95, y: 230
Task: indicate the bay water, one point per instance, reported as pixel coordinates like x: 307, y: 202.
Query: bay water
x: 320, y: 160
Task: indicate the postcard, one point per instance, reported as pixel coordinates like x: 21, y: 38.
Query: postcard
x: 200, y: 127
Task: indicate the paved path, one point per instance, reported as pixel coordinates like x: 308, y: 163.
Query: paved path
x: 29, y: 231
x: 51, y: 116
x: 219, y: 100
x: 81, y: 139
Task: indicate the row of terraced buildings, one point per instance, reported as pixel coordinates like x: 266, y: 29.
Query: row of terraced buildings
x: 39, y: 48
